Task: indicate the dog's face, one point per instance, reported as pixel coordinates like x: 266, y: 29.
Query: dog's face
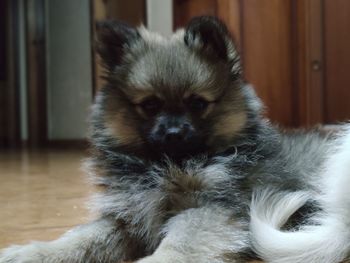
x: 179, y: 96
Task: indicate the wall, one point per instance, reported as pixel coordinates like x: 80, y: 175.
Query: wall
x: 160, y: 16
x: 68, y: 68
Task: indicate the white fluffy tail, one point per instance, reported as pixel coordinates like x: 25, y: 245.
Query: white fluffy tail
x: 326, y: 242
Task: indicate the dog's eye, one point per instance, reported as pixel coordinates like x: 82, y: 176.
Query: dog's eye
x: 151, y: 106
x: 197, y: 103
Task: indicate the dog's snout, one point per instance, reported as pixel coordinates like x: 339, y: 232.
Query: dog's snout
x: 172, y: 130
x: 174, y: 134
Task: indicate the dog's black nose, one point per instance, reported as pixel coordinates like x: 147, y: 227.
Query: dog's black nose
x: 173, y: 132
x: 174, y: 135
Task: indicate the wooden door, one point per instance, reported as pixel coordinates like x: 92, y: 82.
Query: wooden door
x: 295, y: 53
x: 36, y: 73
x: 337, y: 60
x: 267, y: 55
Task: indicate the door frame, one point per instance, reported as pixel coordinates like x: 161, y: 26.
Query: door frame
x: 36, y: 73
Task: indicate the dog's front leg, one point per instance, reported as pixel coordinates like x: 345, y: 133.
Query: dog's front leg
x: 201, y: 235
x: 100, y: 241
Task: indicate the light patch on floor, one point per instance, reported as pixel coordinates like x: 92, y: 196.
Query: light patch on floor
x: 42, y: 194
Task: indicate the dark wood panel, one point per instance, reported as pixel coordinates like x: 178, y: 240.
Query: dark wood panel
x: 36, y: 72
x: 337, y: 58
x: 3, y: 111
x: 309, y: 64
x: 3, y: 38
x: 184, y: 10
x: 9, y: 82
x: 267, y: 54
x: 230, y: 12
x: 3, y: 72
x: 131, y: 11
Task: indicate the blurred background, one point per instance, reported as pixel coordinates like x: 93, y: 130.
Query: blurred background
x: 295, y: 52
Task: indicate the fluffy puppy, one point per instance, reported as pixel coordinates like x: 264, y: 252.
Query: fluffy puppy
x: 181, y: 151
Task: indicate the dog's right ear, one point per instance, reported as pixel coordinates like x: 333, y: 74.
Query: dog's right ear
x: 209, y: 35
x: 113, y: 39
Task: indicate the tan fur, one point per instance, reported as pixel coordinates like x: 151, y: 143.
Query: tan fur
x: 137, y: 95
x: 182, y: 188
x: 206, y: 94
x: 122, y: 128
x: 228, y: 126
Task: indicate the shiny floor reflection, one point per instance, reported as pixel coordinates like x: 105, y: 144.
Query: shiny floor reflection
x: 42, y: 194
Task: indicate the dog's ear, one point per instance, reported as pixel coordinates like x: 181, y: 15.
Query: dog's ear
x: 210, y: 36
x: 113, y: 39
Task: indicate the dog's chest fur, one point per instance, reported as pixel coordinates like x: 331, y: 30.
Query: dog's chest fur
x: 146, y: 201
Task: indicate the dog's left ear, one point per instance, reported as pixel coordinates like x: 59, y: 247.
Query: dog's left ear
x: 210, y: 36
x: 113, y: 39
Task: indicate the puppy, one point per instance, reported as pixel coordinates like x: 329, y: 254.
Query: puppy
x: 190, y: 171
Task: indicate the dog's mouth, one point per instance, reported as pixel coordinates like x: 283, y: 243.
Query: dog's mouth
x: 178, y: 150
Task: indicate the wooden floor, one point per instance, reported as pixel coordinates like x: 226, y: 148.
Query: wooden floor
x: 42, y: 194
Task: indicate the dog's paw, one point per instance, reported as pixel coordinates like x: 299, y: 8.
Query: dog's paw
x: 21, y: 254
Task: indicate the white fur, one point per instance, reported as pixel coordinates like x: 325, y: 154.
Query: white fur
x: 328, y: 242
x: 205, y: 235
